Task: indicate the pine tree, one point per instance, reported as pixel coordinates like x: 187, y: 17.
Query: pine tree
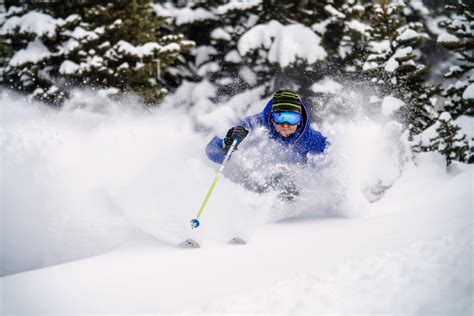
x: 225, y: 68
x: 459, y: 38
x: 449, y: 141
x: 207, y: 24
x: 301, y: 73
x: 8, y: 45
x: 232, y: 68
x: 25, y: 33
x: 393, y: 65
x: 119, y: 46
x: 344, y: 31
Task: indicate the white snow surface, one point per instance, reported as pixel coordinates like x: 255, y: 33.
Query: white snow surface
x: 420, y: 7
x: 32, y: 22
x: 183, y: 15
x: 380, y: 47
x: 296, y: 41
x: 370, y: 65
x: 408, y: 34
x: 187, y: 15
x: 69, y: 46
x: 332, y: 11
x: 233, y: 56
x: 468, y: 94
x: 220, y: 34
x: 357, y: 26
x: 234, y: 5
x: 466, y: 123
x: 104, y: 200
x: 392, y: 64
x: 248, y: 75
x: 34, y: 52
x: 203, y: 54
x: 326, y: 85
x: 140, y: 51
x: 69, y: 67
x: 285, y: 43
x: 321, y: 27
x: 391, y: 104
x: 446, y: 37
x: 79, y: 33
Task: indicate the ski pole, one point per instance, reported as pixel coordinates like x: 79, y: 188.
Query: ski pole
x: 195, y: 222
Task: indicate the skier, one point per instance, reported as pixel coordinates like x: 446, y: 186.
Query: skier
x: 286, y: 119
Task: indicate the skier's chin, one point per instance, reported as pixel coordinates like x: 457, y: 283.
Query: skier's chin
x: 286, y: 133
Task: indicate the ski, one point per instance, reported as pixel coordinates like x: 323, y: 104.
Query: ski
x: 237, y: 241
x: 189, y: 243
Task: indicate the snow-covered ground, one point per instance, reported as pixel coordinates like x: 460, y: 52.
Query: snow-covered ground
x: 96, y: 196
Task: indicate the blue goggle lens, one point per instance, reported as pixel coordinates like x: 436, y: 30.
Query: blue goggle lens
x: 291, y: 118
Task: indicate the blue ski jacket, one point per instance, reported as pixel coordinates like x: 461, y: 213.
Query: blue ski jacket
x: 305, y: 140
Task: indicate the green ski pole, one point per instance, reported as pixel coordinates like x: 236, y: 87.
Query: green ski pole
x: 195, y: 222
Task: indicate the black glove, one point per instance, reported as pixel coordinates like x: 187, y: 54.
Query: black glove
x: 238, y: 133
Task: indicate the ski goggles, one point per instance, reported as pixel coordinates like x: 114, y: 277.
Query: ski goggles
x: 291, y: 118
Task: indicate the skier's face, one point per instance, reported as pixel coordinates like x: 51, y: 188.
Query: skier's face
x: 285, y: 129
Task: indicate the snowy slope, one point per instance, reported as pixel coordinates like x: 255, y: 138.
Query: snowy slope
x: 94, y: 202
x: 413, y: 256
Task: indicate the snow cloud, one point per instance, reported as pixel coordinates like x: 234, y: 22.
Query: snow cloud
x: 390, y: 105
x: 96, y: 174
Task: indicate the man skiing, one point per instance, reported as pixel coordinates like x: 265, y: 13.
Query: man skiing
x: 286, y: 120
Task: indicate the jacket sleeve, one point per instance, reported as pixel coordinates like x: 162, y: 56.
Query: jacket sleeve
x: 214, y: 150
x: 251, y: 122
x: 318, y: 143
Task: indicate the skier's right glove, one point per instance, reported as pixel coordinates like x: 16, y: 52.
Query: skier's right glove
x: 238, y: 133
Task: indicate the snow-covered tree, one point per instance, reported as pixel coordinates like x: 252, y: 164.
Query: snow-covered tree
x: 459, y: 38
x: 344, y: 32
x: 447, y: 138
x: 394, y: 62
x: 26, y: 32
x: 245, y: 44
x: 213, y: 25
x: 8, y: 45
x: 119, y: 46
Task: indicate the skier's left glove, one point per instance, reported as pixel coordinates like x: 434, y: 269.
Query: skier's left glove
x: 238, y: 133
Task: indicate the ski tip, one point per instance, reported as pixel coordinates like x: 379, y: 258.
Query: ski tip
x: 237, y: 241
x: 189, y: 243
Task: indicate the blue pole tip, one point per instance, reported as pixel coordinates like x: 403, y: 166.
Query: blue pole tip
x: 195, y: 223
